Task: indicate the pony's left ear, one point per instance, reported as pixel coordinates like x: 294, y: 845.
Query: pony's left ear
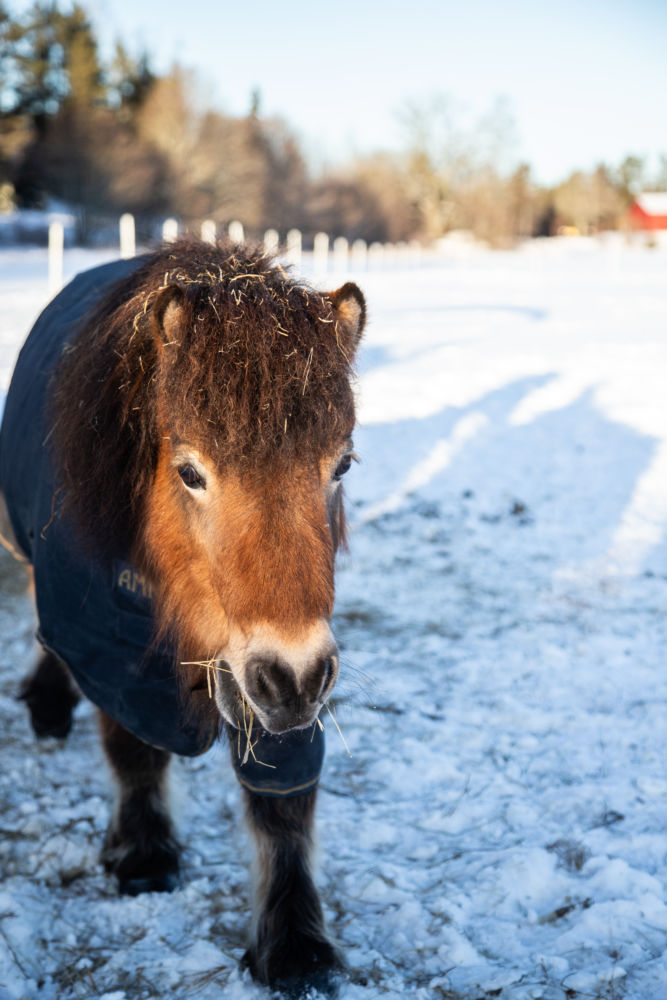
x: 350, y: 314
x: 168, y: 316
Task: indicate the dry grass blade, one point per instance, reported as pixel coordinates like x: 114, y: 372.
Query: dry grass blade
x: 250, y: 746
x: 248, y: 717
x: 211, y: 664
x: 208, y: 665
x: 307, y: 372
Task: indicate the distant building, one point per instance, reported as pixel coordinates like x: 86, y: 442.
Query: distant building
x: 649, y: 211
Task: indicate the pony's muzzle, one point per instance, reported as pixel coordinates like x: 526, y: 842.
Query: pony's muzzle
x: 287, y: 697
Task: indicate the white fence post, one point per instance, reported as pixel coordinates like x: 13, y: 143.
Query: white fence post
x: 340, y: 251
x: 415, y: 253
x: 404, y: 254
x: 359, y: 254
x: 271, y: 241
x: 235, y: 231
x: 208, y: 232
x: 56, y: 246
x: 128, y: 245
x: 376, y: 254
x: 390, y: 255
x: 294, y: 246
x: 170, y: 230
x: 320, y: 253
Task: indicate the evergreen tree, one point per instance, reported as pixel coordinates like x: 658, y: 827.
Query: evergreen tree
x: 630, y: 177
x: 36, y: 82
x: 130, y: 81
x: 85, y: 87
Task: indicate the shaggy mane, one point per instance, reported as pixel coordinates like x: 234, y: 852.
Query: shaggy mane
x: 260, y: 371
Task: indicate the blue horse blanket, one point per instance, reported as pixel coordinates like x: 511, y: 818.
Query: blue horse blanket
x: 96, y: 614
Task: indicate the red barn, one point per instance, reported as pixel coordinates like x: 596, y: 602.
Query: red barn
x: 649, y: 211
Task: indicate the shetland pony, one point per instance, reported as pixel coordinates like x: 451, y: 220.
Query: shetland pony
x: 170, y: 462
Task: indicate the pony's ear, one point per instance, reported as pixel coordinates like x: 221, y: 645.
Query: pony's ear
x: 168, y: 316
x: 350, y: 312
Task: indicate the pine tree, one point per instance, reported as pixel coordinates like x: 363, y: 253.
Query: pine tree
x: 85, y: 87
x: 130, y: 81
x: 36, y: 80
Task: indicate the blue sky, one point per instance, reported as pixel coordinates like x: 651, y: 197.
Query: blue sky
x: 586, y: 81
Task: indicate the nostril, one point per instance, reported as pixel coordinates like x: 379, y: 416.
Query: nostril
x: 328, y: 677
x: 270, y: 683
x: 263, y: 686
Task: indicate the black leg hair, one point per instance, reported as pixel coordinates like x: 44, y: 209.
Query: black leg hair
x: 51, y: 696
x: 289, y: 943
x: 140, y: 847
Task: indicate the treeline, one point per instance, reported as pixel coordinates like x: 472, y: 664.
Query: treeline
x: 112, y: 136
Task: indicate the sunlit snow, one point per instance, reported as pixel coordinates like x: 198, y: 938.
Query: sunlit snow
x: 499, y: 828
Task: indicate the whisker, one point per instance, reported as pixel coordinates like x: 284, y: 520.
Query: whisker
x: 340, y: 732
x: 355, y: 685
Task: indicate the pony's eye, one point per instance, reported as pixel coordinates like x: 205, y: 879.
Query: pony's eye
x: 343, y: 466
x: 191, y: 477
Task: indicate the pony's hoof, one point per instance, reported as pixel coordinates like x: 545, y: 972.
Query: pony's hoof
x: 136, y: 870
x: 326, y: 983
x: 167, y: 882
x: 43, y: 730
x: 298, y: 966
x: 48, y: 717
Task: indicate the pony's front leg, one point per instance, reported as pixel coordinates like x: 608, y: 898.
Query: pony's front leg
x: 140, y: 846
x: 51, y: 695
x: 289, y: 940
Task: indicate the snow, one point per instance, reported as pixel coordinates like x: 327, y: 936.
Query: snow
x: 498, y: 829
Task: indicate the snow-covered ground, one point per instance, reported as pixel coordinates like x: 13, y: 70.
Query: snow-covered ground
x: 499, y: 829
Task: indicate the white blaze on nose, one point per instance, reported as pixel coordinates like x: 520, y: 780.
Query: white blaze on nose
x: 264, y: 642
x: 315, y: 643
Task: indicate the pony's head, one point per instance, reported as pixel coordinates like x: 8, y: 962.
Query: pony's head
x: 243, y: 516
x: 241, y: 377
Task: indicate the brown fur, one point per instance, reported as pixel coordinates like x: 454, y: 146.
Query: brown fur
x: 291, y: 583
x: 262, y: 370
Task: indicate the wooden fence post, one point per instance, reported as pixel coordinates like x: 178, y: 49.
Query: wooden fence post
x: 390, y: 254
x: 169, y: 230
x: 294, y: 247
x: 271, y: 241
x: 208, y: 233
x: 127, y: 236
x: 359, y: 255
x: 320, y: 253
x: 235, y: 231
x: 415, y: 253
x: 56, y: 246
x: 376, y: 255
x: 340, y: 251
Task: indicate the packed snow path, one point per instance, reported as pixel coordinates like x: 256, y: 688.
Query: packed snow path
x: 499, y: 828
